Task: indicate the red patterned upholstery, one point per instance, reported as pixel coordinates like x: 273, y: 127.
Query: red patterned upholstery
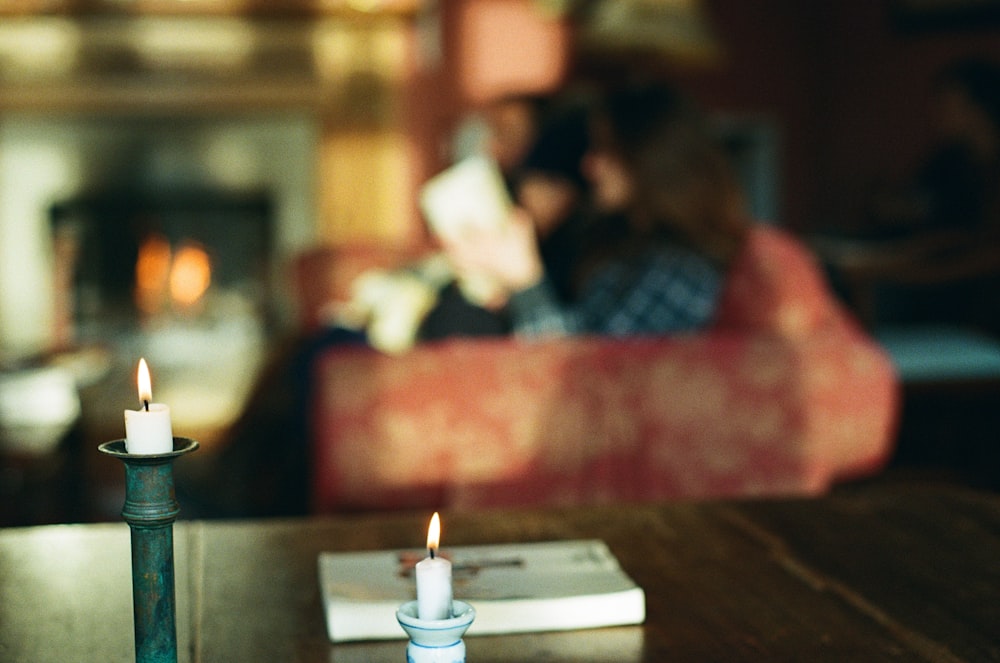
x: 783, y: 396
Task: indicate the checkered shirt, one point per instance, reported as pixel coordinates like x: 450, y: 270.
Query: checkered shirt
x: 665, y: 289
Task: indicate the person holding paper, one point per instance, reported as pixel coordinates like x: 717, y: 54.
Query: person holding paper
x: 670, y: 221
x: 549, y: 184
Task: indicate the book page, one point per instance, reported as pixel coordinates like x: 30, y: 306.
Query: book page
x: 471, y: 195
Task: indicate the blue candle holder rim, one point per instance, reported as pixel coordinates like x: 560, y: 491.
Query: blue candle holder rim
x: 462, y: 614
x: 116, y: 448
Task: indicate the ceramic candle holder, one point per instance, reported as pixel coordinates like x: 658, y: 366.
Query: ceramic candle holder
x: 435, y: 640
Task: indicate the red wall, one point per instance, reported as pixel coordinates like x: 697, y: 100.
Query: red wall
x: 769, y: 69
x: 879, y: 120
x: 848, y: 85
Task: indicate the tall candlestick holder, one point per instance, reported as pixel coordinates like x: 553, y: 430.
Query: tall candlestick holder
x: 150, y: 510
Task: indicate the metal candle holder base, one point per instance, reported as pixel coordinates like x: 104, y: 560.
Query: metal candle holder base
x: 150, y: 510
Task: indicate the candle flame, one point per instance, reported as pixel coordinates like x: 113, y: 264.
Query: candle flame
x: 434, y: 533
x: 145, y: 384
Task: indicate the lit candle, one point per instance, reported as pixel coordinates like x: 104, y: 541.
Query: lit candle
x: 148, y: 429
x: 433, y: 578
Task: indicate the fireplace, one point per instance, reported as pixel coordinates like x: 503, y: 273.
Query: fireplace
x: 164, y: 238
x: 304, y: 107
x: 180, y: 276
x: 142, y: 261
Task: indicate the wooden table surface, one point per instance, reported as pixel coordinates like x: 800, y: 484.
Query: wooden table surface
x: 872, y: 573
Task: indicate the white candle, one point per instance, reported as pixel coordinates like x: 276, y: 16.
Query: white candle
x: 148, y: 429
x: 433, y: 578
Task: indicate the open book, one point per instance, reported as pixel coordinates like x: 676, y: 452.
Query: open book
x: 470, y: 195
x: 560, y: 585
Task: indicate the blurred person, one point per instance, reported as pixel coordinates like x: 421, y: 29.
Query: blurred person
x: 555, y: 193
x: 550, y: 186
x: 504, y: 129
x: 669, y: 222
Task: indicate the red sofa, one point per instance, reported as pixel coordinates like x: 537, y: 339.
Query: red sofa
x: 783, y: 395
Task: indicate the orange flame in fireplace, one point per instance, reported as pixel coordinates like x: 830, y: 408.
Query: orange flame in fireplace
x: 184, y: 276
x: 152, y: 270
x: 190, y: 275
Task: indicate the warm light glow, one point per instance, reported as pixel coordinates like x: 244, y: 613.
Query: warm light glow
x: 152, y: 269
x: 145, y: 384
x: 434, y: 533
x: 190, y: 275
x: 40, y: 46
x: 214, y: 42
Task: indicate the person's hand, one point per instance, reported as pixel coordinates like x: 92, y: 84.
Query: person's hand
x: 509, y: 255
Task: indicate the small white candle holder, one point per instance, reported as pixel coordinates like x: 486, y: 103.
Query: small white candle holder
x: 436, y: 640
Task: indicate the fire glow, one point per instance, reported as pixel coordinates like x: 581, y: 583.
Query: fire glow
x: 190, y: 275
x: 161, y: 275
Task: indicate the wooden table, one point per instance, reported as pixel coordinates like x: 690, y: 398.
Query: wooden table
x: 872, y: 573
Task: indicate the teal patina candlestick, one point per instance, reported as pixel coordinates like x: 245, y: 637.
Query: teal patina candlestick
x: 150, y: 510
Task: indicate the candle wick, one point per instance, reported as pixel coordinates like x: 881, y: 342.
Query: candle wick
x: 431, y: 551
x: 145, y: 404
